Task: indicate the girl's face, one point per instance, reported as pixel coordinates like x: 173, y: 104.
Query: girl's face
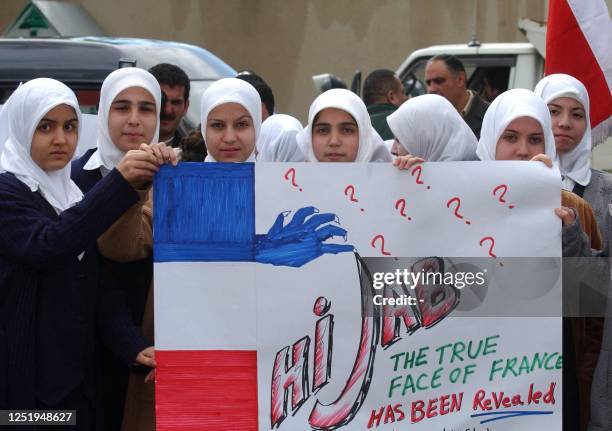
x: 522, y: 139
x: 55, y: 138
x: 568, y: 123
x: 230, y: 133
x: 132, y: 119
x: 335, y: 136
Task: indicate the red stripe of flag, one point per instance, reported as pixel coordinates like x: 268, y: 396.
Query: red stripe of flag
x: 568, y: 51
x: 210, y: 390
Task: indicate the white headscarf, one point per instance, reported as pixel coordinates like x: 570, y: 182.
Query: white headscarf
x: 576, y: 165
x: 277, y: 141
x: 21, y: 115
x: 231, y: 90
x: 4, y: 132
x: 382, y: 151
x: 107, y: 154
x: 430, y: 127
x: 507, y: 107
x: 370, y: 142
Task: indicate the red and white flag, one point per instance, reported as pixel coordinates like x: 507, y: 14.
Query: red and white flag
x: 578, y: 37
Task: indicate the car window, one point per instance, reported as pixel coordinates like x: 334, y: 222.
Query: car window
x: 489, y: 82
x: 414, y: 79
x: 481, y: 71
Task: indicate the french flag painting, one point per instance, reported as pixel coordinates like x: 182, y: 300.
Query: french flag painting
x: 280, y: 302
x: 208, y: 216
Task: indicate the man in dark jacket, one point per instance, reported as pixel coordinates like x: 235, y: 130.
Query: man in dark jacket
x: 383, y: 93
x: 445, y: 75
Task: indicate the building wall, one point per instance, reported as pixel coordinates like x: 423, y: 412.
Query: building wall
x: 9, y: 11
x: 288, y: 41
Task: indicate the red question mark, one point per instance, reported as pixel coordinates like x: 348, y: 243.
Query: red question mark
x: 352, y: 191
x: 292, y: 172
x: 402, y: 203
x: 350, y: 188
x: 489, y: 238
x: 456, y: 199
x: 382, y: 244
x: 418, y: 169
x: 501, y: 197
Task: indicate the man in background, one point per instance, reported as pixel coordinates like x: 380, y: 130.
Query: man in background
x: 445, y: 75
x: 383, y: 93
x: 174, y: 84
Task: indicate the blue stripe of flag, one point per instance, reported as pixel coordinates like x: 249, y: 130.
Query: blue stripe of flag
x: 204, y: 212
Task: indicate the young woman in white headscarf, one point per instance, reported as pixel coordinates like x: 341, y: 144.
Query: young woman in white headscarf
x: 231, y: 121
x: 568, y: 103
x: 429, y: 128
x: 339, y: 130
x: 278, y: 140
x: 51, y: 303
x: 128, y: 117
x: 517, y: 126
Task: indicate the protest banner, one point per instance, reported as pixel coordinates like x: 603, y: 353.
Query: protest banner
x: 297, y: 296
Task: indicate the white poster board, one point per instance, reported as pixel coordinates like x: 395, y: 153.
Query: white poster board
x: 328, y: 355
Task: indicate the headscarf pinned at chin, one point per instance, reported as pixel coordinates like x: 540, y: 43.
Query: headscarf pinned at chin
x: 430, y: 127
x: 277, y: 141
x: 507, y: 107
x: 20, y: 117
x: 231, y: 90
x: 107, y: 154
x: 371, y: 146
x: 576, y: 164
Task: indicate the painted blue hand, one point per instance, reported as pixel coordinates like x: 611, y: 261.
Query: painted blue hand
x: 301, y: 240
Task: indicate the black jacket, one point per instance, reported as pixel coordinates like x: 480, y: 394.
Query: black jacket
x: 50, y: 303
